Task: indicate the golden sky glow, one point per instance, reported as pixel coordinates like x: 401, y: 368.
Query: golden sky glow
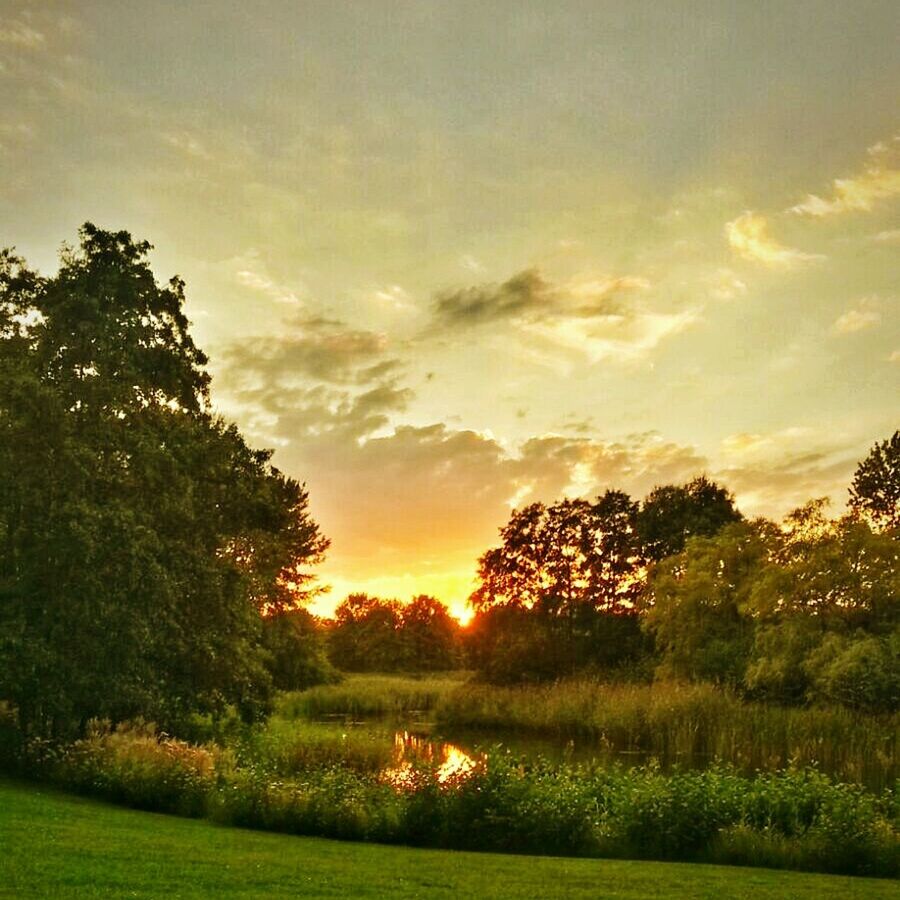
x: 452, y: 257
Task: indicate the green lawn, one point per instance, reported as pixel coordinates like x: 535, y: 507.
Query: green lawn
x: 54, y: 845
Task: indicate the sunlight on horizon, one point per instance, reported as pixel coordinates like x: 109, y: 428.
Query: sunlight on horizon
x: 577, y: 246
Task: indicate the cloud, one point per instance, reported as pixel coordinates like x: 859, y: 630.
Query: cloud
x: 879, y: 180
x: 20, y: 34
x: 261, y: 283
x: 894, y: 357
x: 857, y: 318
x: 529, y: 297
x: 550, y: 466
x: 321, y: 349
x: 394, y: 298
x: 188, y: 144
x: 773, y: 473
x: 526, y: 293
x: 889, y: 236
x: 724, y: 284
x: 596, y: 316
x: 749, y: 237
x: 617, y: 336
x: 470, y: 264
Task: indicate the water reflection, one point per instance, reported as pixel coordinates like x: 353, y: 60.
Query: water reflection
x: 455, y: 753
x: 415, y: 750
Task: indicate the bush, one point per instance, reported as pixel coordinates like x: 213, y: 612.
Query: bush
x: 135, y: 766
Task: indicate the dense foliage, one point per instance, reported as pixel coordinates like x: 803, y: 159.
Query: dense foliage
x: 369, y: 634
x: 141, y: 538
x: 804, y: 611
x: 562, y: 591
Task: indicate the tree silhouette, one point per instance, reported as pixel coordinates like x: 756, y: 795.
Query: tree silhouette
x: 875, y: 490
x: 671, y: 514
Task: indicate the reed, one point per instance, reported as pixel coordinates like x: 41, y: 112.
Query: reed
x: 676, y: 721
x: 370, y: 695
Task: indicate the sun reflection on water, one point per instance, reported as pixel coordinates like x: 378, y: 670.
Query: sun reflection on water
x: 412, y: 751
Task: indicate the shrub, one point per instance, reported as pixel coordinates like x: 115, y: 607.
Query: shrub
x: 135, y: 766
x: 862, y: 672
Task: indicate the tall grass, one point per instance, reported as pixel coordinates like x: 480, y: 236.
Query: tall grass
x: 287, y: 748
x: 135, y: 766
x: 675, y: 721
x: 370, y: 695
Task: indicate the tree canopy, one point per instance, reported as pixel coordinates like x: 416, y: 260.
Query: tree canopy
x: 141, y: 538
x: 673, y: 513
x: 370, y: 634
x: 875, y: 490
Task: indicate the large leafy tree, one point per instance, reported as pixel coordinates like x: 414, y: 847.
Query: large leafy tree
x: 875, y: 490
x: 697, y: 603
x: 564, y: 558
x: 573, y: 571
x: 141, y: 538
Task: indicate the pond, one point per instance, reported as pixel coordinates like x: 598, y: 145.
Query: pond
x: 415, y: 739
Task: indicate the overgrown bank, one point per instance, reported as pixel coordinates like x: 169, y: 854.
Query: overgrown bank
x: 673, y: 721
x: 789, y: 819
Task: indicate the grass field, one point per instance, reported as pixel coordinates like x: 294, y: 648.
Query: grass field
x: 57, y: 845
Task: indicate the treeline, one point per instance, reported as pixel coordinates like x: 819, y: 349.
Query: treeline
x: 679, y: 585
x: 682, y: 584
x: 564, y: 589
x: 368, y: 634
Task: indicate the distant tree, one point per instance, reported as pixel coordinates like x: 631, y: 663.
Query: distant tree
x: 430, y: 635
x: 671, y: 514
x: 616, y: 561
x: 140, y: 537
x: 875, y: 491
x: 509, y: 644
x: 365, y: 635
x: 564, y: 558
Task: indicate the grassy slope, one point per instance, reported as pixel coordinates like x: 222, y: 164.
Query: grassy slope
x: 57, y: 845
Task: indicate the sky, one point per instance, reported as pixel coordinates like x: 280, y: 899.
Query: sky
x: 448, y: 258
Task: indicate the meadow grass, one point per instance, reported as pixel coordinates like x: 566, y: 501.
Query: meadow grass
x: 86, y: 848
x: 370, y: 695
x: 675, y: 721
